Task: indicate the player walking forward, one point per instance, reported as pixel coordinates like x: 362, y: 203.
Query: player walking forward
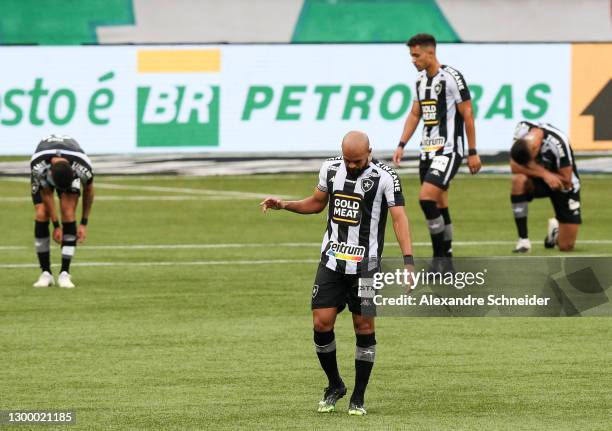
x: 443, y: 101
x: 59, y: 164
x: 359, y: 191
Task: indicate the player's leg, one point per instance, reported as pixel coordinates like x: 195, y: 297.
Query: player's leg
x: 365, y: 354
x: 328, y: 298
x: 520, y: 198
x: 568, y: 232
x: 563, y: 230
x: 435, y: 179
x: 68, y: 206
x: 429, y: 196
x: 448, y: 224
x: 325, y: 343
x: 42, y: 241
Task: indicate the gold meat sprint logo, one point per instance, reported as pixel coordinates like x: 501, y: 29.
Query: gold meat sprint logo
x: 346, y: 208
x: 174, y: 112
x: 430, y: 112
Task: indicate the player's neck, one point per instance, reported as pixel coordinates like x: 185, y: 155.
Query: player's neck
x: 433, y: 69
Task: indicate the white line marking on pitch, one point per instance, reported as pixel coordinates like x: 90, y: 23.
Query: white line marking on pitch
x: 177, y: 263
x: 187, y: 190
x: 263, y: 245
x: 113, y: 198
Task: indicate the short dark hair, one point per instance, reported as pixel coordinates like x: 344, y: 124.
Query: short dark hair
x: 423, y: 39
x: 520, y: 152
x: 62, y: 174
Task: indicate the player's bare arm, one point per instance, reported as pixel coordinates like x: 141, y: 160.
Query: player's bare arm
x: 532, y: 169
x: 565, y: 174
x: 311, y: 205
x: 49, y: 205
x: 410, y: 125
x: 88, y: 198
x: 401, y: 227
x: 466, y: 111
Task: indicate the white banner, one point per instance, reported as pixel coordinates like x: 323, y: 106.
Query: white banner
x: 261, y: 98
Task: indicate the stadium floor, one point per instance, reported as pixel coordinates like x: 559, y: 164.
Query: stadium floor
x: 192, y: 312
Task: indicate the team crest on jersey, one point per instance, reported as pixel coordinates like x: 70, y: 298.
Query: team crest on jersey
x: 346, y: 208
x: 438, y: 88
x: 367, y: 184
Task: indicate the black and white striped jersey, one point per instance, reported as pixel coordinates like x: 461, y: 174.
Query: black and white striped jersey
x: 357, y: 214
x: 59, y: 146
x: 443, y: 125
x: 555, y: 151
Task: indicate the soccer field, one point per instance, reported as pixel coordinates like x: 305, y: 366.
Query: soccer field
x: 192, y: 311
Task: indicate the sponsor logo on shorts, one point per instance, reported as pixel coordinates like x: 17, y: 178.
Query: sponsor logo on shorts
x: 346, y: 252
x: 439, y: 163
x: 573, y: 204
x: 315, y: 290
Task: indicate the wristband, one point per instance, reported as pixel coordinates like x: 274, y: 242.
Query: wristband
x: 472, y: 152
x: 401, y: 144
x: 84, y: 221
x: 55, y: 224
x: 408, y: 259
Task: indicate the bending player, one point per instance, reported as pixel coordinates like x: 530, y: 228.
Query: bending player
x: 543, y: 165
x: 59, y: 164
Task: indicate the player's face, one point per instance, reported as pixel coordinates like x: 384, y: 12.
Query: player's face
x: 421, y: 57
x: 356, y: 164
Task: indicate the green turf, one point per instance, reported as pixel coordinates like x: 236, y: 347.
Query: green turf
x: 230, y: 346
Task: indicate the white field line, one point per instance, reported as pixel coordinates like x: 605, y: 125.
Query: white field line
x: 225, y: 262
x: 128, y: 198
x: 188, y: 190
x: 177, y: 263
x: 268, y: 245
x: 159, y: 189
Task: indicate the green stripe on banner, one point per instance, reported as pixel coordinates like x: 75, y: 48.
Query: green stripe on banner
x: 371, y: 21
x: 60, y: 22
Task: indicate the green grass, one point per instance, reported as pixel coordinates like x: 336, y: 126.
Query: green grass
x: 230, y: 346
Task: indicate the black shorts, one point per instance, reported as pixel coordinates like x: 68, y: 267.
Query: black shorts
x: 334, y: 289
x: 566, y: 203
x: 75, y: 188
x: 37, y: 198
x: 440, y: 170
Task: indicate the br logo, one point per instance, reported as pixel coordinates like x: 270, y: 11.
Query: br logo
x: 172, y: 113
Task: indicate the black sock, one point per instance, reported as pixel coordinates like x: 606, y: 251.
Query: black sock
x: 435, y: 223
x: 520, y: 211
x: 448, y: 232
x: 365, y: 353
x: 42, y: 244
x: 325, y: 345
x: 68, y: 244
